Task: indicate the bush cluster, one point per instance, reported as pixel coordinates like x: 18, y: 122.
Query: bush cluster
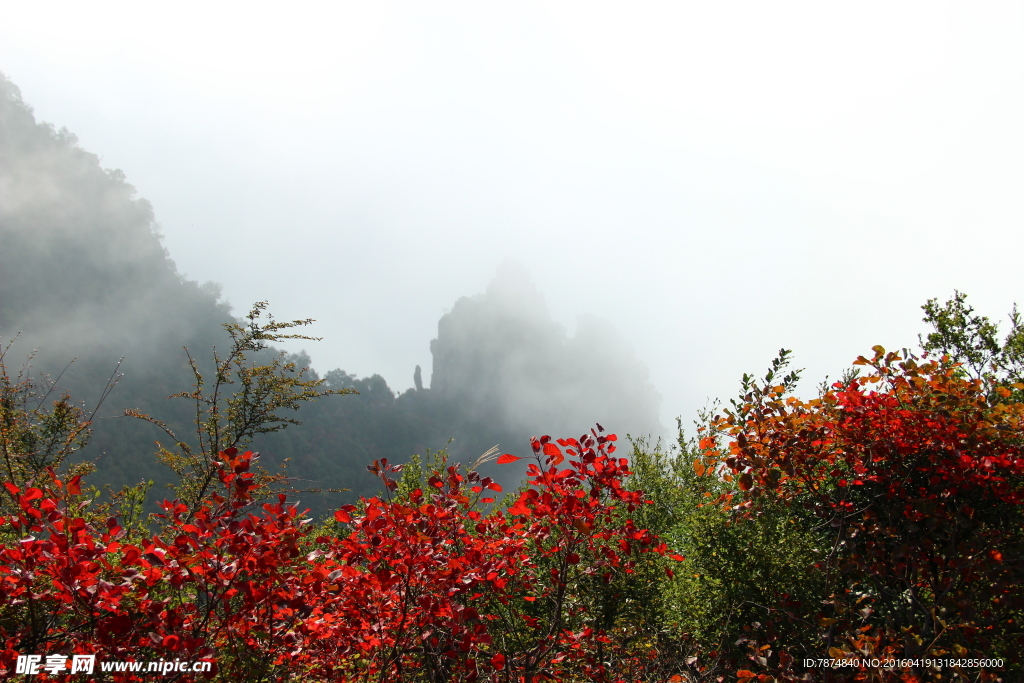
x: 877, y: 528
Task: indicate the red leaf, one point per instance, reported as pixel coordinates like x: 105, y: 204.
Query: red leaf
x: 498, y: 661
x: 74, y: 486
x: 507, y: 458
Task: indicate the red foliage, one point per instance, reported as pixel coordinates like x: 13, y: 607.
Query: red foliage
x: 917, y: 471
x: 419, y: 586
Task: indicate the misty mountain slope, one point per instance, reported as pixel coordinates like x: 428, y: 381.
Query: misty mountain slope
x: 80, y: 259
x: 83, y: 274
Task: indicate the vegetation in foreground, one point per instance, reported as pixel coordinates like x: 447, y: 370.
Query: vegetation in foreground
x: 877, y: 526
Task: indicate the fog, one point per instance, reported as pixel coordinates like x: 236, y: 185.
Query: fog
x: 500, y: 354
x: 83, y: 275
x: 688, y: 186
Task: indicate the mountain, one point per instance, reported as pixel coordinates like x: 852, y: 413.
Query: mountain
x: 83, y: 274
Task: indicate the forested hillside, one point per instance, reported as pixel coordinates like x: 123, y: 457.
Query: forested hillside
x: 83, y: 275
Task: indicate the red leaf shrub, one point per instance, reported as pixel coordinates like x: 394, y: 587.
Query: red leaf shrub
x: 919, y: 472
x: 426, y: 586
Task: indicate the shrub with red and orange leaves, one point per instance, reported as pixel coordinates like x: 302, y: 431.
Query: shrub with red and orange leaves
x: 917, y: 473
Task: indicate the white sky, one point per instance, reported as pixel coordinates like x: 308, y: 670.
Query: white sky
x: 717, y: 179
